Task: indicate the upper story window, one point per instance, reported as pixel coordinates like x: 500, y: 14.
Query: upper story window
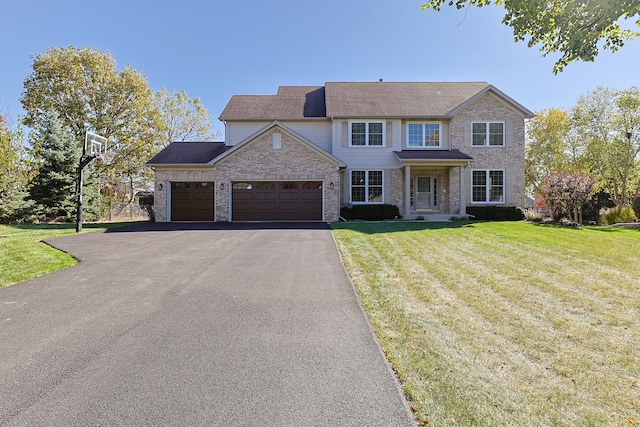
x: 487, y: 134
x: 364, y: 134
x: 425, y: 134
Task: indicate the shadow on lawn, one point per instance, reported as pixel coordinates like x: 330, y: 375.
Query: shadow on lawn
x: 71, y: 225
x: 614, y: 228
x: 399, y: 226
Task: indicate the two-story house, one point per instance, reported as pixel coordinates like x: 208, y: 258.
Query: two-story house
x: 302, y: 154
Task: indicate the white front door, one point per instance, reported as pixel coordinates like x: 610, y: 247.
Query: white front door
x: 425, y: 192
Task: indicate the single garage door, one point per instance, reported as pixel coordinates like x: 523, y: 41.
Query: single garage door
x: 192, y: 201
x: 277, y: 201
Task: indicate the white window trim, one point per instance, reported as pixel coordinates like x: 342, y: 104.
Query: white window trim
x: 366, y: 186
x: 424, y: 147
x: 488, y: 187
x: 367, y: 122
x: 488, y: 122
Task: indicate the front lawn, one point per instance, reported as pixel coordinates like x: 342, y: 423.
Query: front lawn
x: 23, y: 256
x: 504, y: 323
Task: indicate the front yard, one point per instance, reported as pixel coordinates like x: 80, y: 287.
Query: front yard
x: 504, y: 324
x: 23, y: 256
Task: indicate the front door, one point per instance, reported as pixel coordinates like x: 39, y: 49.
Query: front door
x: 425, y: 191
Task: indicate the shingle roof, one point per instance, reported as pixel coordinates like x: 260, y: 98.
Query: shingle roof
x: 182, y: 153
x: 290, y: 103
x: 362, y: 100
x: 398, y: 99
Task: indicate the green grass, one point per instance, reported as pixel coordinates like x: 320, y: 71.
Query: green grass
x: 23, y: 256
x: 504, y: 323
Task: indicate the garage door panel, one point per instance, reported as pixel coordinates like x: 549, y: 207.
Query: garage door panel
x: 192, y: 201
x: 277, y: 201
x: 264, y: 196
x: 289, y: 195
x: 265, y: 206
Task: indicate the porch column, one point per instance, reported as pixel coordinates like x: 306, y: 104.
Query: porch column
x: 463, y: 192
x: 407, y: 190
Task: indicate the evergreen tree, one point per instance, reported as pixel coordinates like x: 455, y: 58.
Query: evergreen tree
x: 54, y: 187
x: 14, y: 177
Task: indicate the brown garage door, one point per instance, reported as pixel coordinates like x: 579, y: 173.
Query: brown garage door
x: 277, y: 201
x: 192, y: 201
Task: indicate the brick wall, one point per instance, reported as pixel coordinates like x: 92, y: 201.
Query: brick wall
x: 257, y: 160
x: 510, y: 157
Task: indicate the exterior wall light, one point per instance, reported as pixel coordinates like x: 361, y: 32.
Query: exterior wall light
x: 222, y: 186
x: 160, y: 187
x: 331, y: 186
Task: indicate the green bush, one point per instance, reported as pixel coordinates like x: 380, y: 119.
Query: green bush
x: 370, y: 212
x: 617, y: 216
x: 495, y: 213
x: 635, y: 205
x: 146, y: 202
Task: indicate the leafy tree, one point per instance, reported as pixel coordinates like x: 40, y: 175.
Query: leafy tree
x: 552, y: 146
x: 54, y: 187
x: 608, y: 123
x: 87, y: 92
x: 14, y: 176
x: 573, y: 28
x: 185, y: 119
x: 564, y: 194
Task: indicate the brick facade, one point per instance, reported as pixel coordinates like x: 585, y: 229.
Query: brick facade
x: 293, y: 157
x: 257, y: 160
x: 509, y: 158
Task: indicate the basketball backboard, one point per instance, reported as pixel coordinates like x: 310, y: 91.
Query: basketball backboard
x: 96, y: 145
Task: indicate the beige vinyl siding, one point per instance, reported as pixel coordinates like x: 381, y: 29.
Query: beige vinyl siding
x: 367, y: 157
x: 236, y: 132
x: 318, y: 132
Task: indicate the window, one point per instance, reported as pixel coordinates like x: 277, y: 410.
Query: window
x: 265, y: 186
x: 487, y: 186
x: 487, y: 134
x: 288, y: 186
x: 242, y: 186
x: 366, y: 186
x: 366, y: 134
x: 423, y: 135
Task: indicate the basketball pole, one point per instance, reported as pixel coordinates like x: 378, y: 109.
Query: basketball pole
x: 84, y: 161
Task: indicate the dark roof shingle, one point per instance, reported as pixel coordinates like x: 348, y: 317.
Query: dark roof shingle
x: 432, y: 155
x: 398, y: 99
x: 290, y: 103
x: 179, y: 153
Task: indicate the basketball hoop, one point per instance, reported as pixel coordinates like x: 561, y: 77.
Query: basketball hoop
x: 105, y: 158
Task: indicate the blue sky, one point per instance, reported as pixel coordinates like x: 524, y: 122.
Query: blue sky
x: 215, y: 49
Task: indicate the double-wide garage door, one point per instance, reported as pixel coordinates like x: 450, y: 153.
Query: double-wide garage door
x: 277, y: 201
x: 192, y: 201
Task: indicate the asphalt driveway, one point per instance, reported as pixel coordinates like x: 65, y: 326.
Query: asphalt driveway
x: 194, y: 324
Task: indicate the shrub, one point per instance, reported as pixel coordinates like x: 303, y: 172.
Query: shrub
x: 533, y: 215
x: 617, y: 216
x: 599, y: 202
x: 146, y: 202
x: 564, y: 194
x: 370, y: 212
x: 635, y: 204
x: 495, y: 213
